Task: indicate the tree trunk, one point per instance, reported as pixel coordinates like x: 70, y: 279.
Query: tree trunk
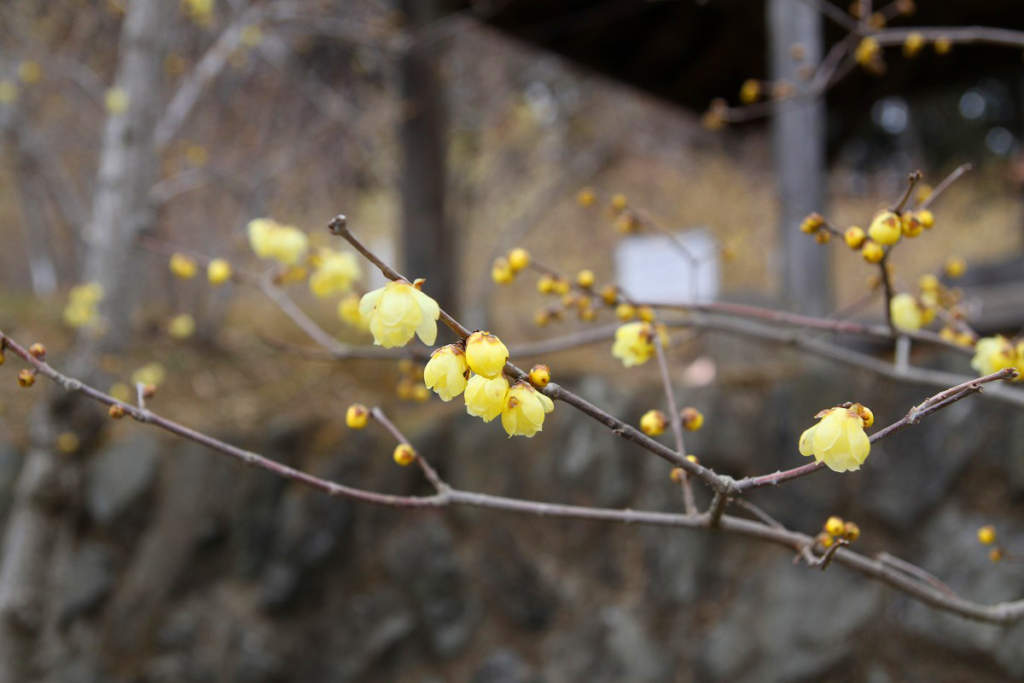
x: 798, y: 139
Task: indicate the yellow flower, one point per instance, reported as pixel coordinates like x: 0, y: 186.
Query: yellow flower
x: 348, y: 310
x: 838, y: 440
x: 634, y: 343
x: 116, y: 101
x: 335, y: 272
x: 485, y: 398
x: 524, y: 410
x: 398, y: 311
x: 357, y: 416
x: 183, y: 266
x: 283, y: 243
x: 906, y: 313
x: 886, y: 228
x: 218, y: 272
x: 486, y: 354
x: 993, y: 354
x: 182, y: 326
x: 447, y: 372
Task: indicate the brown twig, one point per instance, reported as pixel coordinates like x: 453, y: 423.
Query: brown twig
x: 676, y: 421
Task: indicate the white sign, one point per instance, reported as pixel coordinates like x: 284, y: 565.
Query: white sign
x: 680, y: 269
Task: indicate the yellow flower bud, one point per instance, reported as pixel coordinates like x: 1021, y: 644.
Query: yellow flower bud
x: 928, y: 283
x: 181, y: 326
x: 485, y: 398
x: 524, y: 410
x: 546, y: 284
x: 30, y: 72
x: 955, y: 266
x: 518, y: 259
x: 987, y: 535
x: 750, y: 91
x: 943, y: 45
x: 645, y: 313
x: 995, y: 555
x: 692, y: 418
x: 588, y: 314
x: 397, y: 312
x: 653, y: 423
x: 218, y: 272
x: 348, y: 311
x: 121, y: 391
x: 447, y: 372
x: 812, y: 223
x: 618, y: 202
x: 886, y: 228
x: 913, y: 44
x: 838, y: 440
x: 854, y: 237
x: 585, y: 278
x: 627, y: 224
x: 420, y: 393
x: 868, y: 50
x: 151, y: 373
x: 541, y: 318
x: 677, y: 475
x: 501, y: 271
x: 116, y: 411
x: 183, y: 266
x: 561, y: 286
x: 825, y: 540
x: 335, y: 272
x: 625, y: 312
x: 405, y: 389
x: 693, y: 459
x: 926, y: 217
x: 823, y: 237
x: 834, y: 526
x: 911, y: 224
x: 906, y: 313
x: 37, y: 350
x: 872, y: 252
x: 404, y: 454
x: 8, y: 92
x: 26, y: 378
x: 851, y: 532
x: 865, y: 414
x: 610, y: 294
x: 634, y: 343
x: 252, y: 35
x: 67, y: 443
x: 486, y: 354
x: 540, y: 376
x: 586, y: 197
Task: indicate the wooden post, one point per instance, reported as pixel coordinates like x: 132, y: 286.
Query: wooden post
x: 428, y: 238
x: 798, y: 141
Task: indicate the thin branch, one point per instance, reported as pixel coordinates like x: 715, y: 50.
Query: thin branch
x: 941, y: 187
x: 676, y: 421
x: 428, y: 471
x: 937, y: 402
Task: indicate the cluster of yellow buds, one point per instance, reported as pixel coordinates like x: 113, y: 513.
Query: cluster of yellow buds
x: 655, y: 422
x: 836, y: 528
x: 505, y: 268
x: 269, y: 239
x: 82, y: 309
x: 585, y: 301
x: 333, y: 272
x: 997, y: 553
x: 410, y: 383
x: 839, y: 439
